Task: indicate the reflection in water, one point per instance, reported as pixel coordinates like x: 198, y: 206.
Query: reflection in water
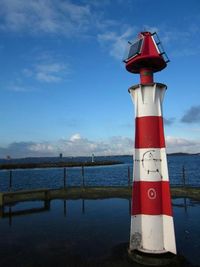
x: 53, y: 239
x: 65, y: 207
x: 10, y: 216
x: 10, y: 211
x: 83, y: 206
x: 71, y: 233
x: 185, y: 204
x: 187, y: 220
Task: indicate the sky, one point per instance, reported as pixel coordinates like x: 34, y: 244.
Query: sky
x: 63, y: 84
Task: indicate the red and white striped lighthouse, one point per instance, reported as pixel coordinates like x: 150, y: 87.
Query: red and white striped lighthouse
x: 152, y: 227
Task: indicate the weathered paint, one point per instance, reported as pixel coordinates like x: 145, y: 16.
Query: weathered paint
x: 152, y: 234
x: 152, y: 228
x: 150, y: 165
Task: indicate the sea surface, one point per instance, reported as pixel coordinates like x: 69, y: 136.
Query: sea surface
x: 87, y: 233
x: 114, y: 175
x: 80, y: 233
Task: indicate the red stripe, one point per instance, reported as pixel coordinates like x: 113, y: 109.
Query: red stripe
x: 149, y: 132
x: 151, y: 198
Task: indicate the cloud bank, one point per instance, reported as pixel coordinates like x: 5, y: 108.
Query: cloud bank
x: 74, y: 146
x: 178, y: 144
x: 80, y: 146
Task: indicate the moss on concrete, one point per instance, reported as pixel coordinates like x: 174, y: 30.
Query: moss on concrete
x: 191, y: 192
x: 87, y: 193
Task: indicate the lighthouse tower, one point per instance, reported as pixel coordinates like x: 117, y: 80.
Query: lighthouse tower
x: 152, y: 227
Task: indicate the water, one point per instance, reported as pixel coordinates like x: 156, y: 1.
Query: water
x: 192, y: 169
x: 84, y: 233
x: 115, y: 175
x: 187, y: 221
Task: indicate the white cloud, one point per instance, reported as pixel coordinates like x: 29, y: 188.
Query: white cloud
x: 44, y: 67
x: 76, y: 145
x: 76, y: 12
x: 45, y: 77
x: 75, y: 137
x: 47, y: 16
x: 50, y: 72
x: 116, y: 42
x: 73, y: 146
x: 40, y: 147
x: 20, y: 88
x: 97, y: 3
x: 178, y: 144
x: 17, y: 88
x: 70, y: 18
x: 181, y: 42
x: 151, y: 28
x: 47, y: 68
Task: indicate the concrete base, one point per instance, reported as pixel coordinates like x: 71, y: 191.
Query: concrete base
x: 148, y: 259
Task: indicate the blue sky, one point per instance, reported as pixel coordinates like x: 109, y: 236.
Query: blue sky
x: 63, y: 84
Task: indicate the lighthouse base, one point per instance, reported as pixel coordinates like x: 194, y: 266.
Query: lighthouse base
x: 148, y: 259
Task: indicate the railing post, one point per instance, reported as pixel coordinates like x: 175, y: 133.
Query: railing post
x: 64, y: 178
x: 83, y: 206
x: 10, y: 180
x: 129, y: 179
x: 65, y: 207
x: 183, y: 175
x: 83, y: 176
x: 10, y: 216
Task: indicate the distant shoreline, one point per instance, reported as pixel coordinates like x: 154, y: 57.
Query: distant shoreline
x: 12, y: 166
x: 183, y: 154
x: 102, y: 156
x: 46, y: 162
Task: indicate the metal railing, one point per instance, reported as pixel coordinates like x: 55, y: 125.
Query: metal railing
x: 121, y: 175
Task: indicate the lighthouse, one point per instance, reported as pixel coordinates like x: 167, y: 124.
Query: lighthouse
x: 152, y: 226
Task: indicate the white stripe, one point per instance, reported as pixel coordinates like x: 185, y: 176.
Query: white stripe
x: 150, y: 164
x: 155, y: 44
x: 152, y: 234
x: 148, y: 99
